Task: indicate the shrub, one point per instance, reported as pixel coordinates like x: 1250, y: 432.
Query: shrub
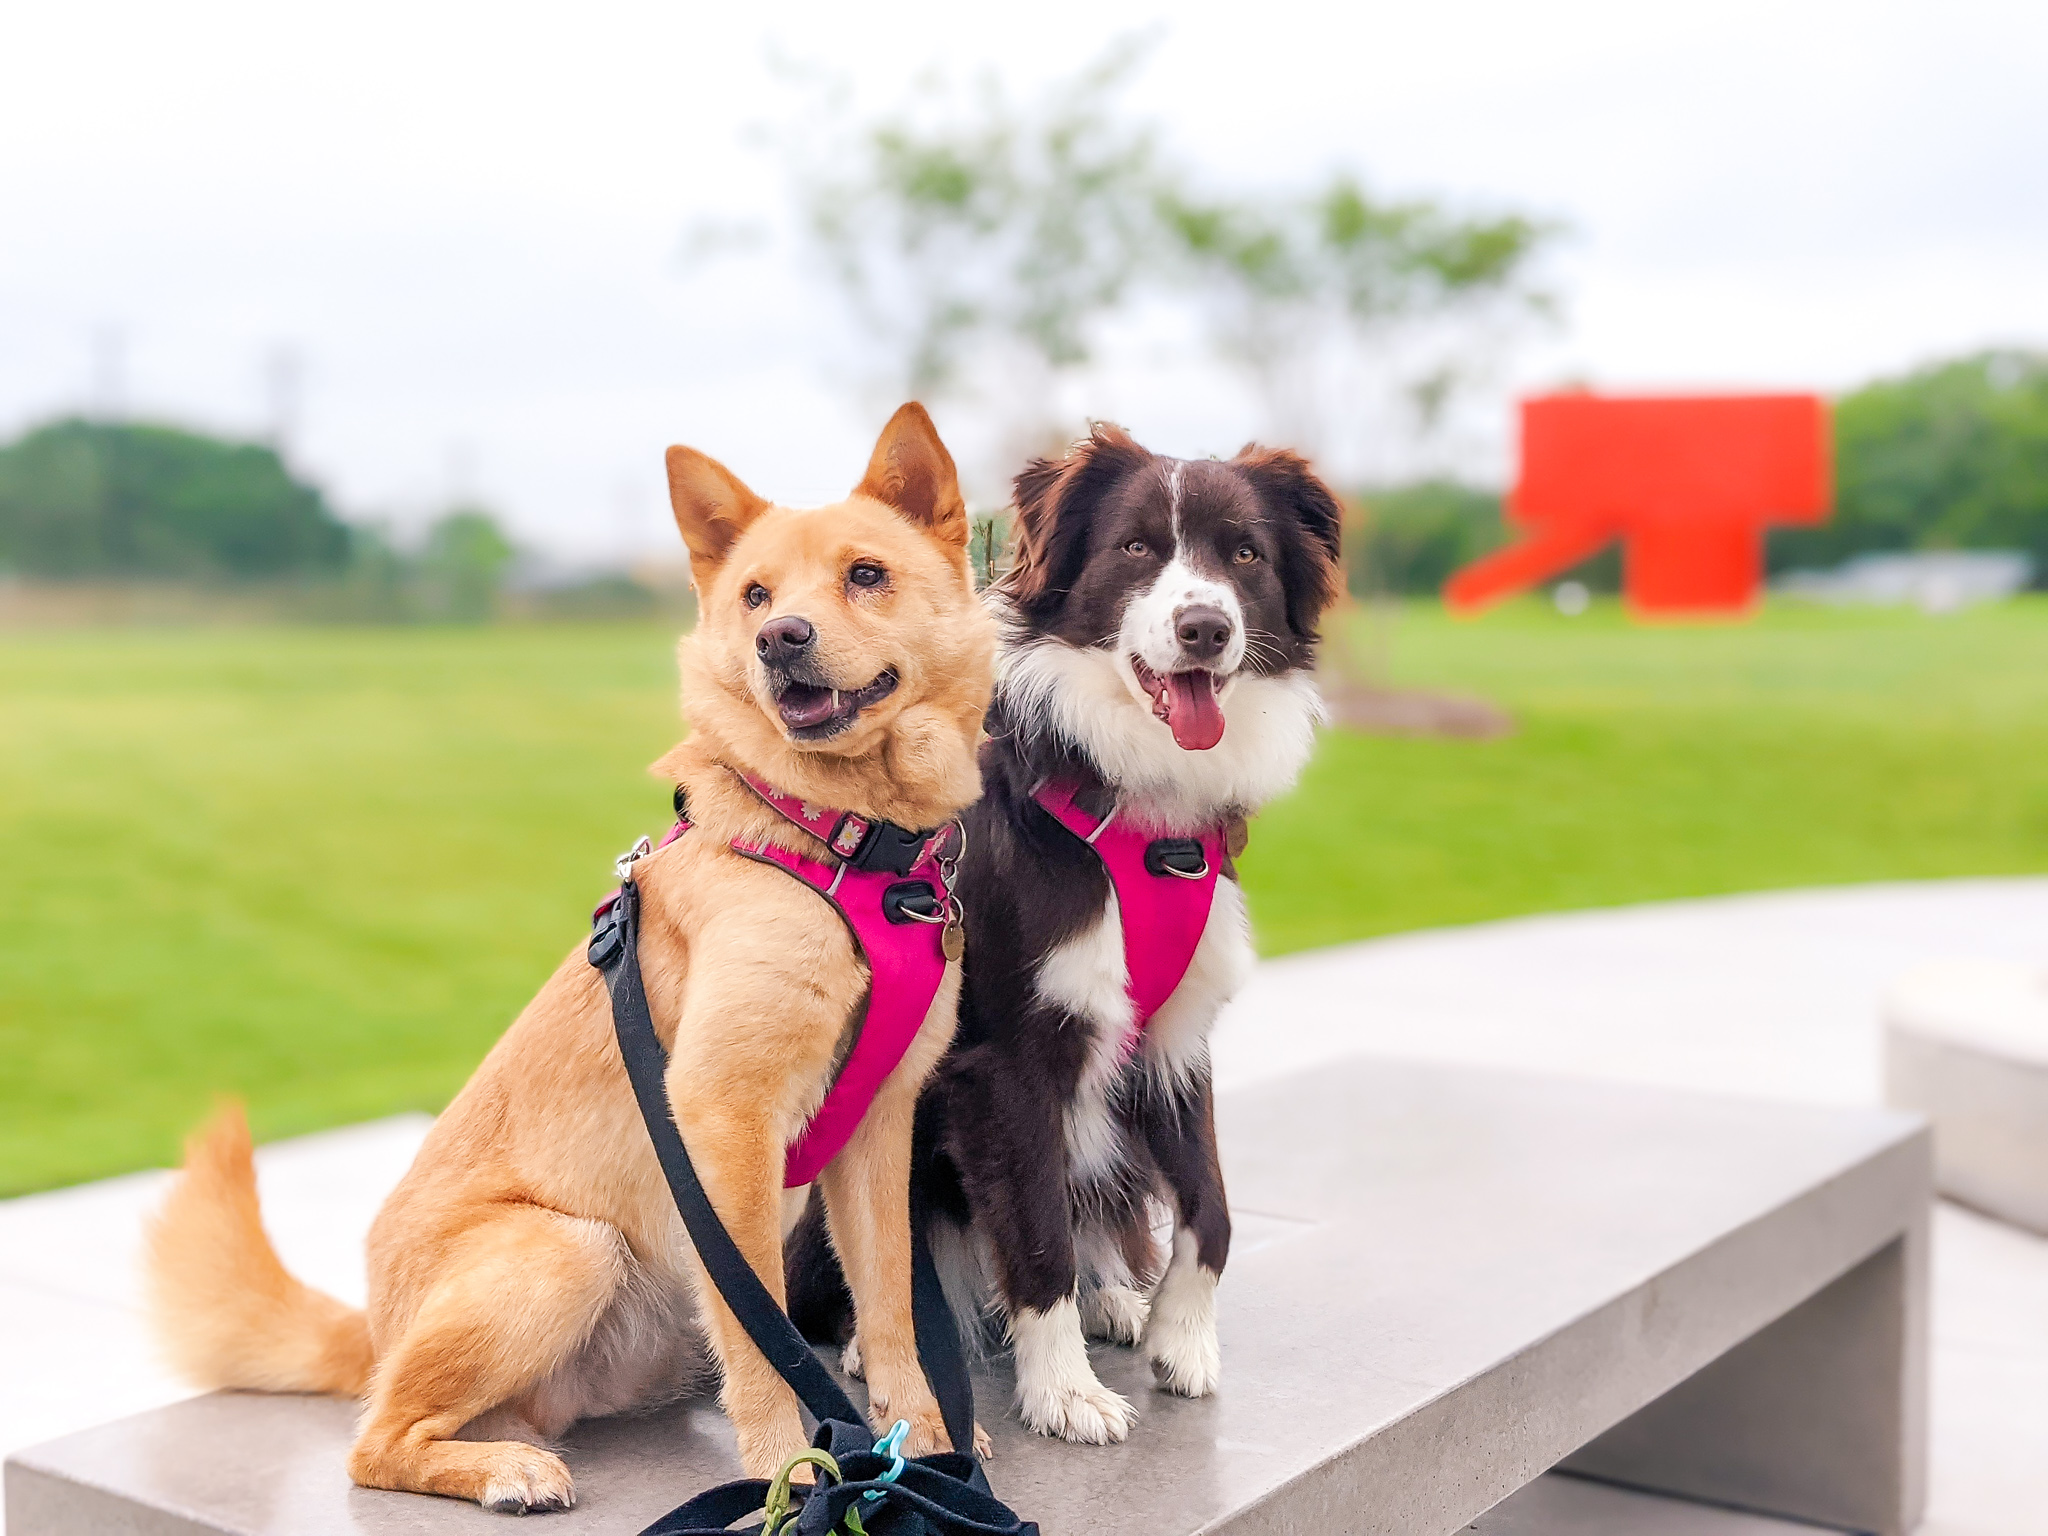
x: 87, y: 498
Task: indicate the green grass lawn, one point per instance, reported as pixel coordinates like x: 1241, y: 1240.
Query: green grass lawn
x: 1809, y: 747
x: 323, y: 868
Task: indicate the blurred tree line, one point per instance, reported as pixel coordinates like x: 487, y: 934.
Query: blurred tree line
x: 92, y: 498
x: 1952, y: 456
x: 103, y: 500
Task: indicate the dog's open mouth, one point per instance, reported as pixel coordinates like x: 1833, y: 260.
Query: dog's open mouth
x: 813, y: 712
x: 1187, y: 702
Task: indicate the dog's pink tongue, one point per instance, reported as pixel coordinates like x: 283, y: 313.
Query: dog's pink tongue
x: 1192, y: 713
x: 803, y: 706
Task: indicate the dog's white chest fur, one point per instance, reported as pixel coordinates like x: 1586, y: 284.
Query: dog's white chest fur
x: 1086, y: 696
x: 1089, y: 978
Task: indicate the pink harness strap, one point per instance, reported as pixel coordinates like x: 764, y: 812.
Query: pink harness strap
x: 906, y: 961
x: 905, y: 955
x: 905, y: 958
x: 1163, y: 913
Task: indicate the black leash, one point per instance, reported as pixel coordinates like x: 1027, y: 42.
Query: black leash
x: 877, y: 1493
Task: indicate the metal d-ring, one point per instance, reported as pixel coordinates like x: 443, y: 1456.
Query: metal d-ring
x: 633, y: 855
x: 1188, y: 874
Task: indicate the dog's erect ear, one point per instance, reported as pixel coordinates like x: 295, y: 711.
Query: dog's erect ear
x: 912, y: 472
x: 712, y: 507
x: 1056, y: 500
x: 1313, y: 574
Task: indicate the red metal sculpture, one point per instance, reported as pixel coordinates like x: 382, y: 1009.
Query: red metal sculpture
x: 1687, y: 483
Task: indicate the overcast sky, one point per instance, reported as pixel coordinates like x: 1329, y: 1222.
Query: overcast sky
x: 465, y: 221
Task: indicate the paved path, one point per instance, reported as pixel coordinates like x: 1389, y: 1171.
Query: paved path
x: 1772, y: 995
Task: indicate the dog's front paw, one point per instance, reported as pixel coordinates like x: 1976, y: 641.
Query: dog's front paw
x: 914, y: 1404
x: 850, y: 1361
x: 1083, y: 1411
x: 1116, y: 1313
x: 1181, y: 1338
x: 984, y: 1448
x: 1057, y: 1392
x: 927, y: 1434
x: 767, y: 1448
x: 1182, y: 1346
x: 524, y: 1480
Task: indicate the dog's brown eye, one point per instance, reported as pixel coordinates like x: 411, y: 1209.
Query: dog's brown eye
x: 865, y: 573
x: 756, y: 595
x: 1137, y: 547
x: 1246, y: 554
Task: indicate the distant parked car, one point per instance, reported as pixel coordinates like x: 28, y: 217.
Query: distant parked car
x: 1936, y: 580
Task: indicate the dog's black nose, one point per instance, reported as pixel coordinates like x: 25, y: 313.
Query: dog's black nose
x: 784, y: 639
x: 1203, y: 632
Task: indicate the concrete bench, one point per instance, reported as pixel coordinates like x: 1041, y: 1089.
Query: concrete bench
x: 1445, y: 1283
x: 1966, y: 1044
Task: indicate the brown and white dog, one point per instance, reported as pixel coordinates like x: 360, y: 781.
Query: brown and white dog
x: 1159, y: 631
x: 531, y: 1269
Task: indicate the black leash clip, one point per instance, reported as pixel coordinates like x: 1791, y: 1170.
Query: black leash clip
x: 608, y: 929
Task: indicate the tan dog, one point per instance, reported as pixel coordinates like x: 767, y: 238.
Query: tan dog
x: 531, y: 1270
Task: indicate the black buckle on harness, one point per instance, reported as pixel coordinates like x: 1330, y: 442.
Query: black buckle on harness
x: 1181, y: 857
x: 607, y: 930
x: 878, y: 846
x: 912, y: 901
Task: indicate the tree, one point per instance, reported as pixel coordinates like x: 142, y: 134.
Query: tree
x: 1409, y: 538
x: 90, y: 498
x: 965, y: 225
x: 1951, y: 456
x: 1321, y: 297
x: 464, y: 561
x: 973, y: 234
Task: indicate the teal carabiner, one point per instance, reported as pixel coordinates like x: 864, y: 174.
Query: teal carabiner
x: 890, y: 1444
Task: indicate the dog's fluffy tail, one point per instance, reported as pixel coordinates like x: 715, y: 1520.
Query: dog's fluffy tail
x: 225, y: 1310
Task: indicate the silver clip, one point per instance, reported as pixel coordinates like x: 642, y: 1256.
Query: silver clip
x: 633, y: 855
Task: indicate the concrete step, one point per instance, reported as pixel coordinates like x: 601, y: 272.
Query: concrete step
x: 1966, y: 1044
x: 1557, y: 1505
x: 1447, y: 1282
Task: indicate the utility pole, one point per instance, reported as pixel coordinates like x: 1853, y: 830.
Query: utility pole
x: 284, y: 375
x: 109, y: 372
x: 461, y: 469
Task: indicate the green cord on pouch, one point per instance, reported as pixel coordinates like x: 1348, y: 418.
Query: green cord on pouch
x: 777, y: 1507
x: 778, y: 1515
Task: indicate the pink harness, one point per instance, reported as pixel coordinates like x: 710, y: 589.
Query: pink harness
x: 1164, y: 888
x: 897, y: 915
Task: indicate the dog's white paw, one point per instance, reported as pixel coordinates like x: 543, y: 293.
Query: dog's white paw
x: 524, y: 1480
x: 1116, y: 1313
x: 1185, y: 1357
x: 1057, y: 1391
x: 850, y: 1361
x: 1181, y: 1338
x: 1087, y: 1413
